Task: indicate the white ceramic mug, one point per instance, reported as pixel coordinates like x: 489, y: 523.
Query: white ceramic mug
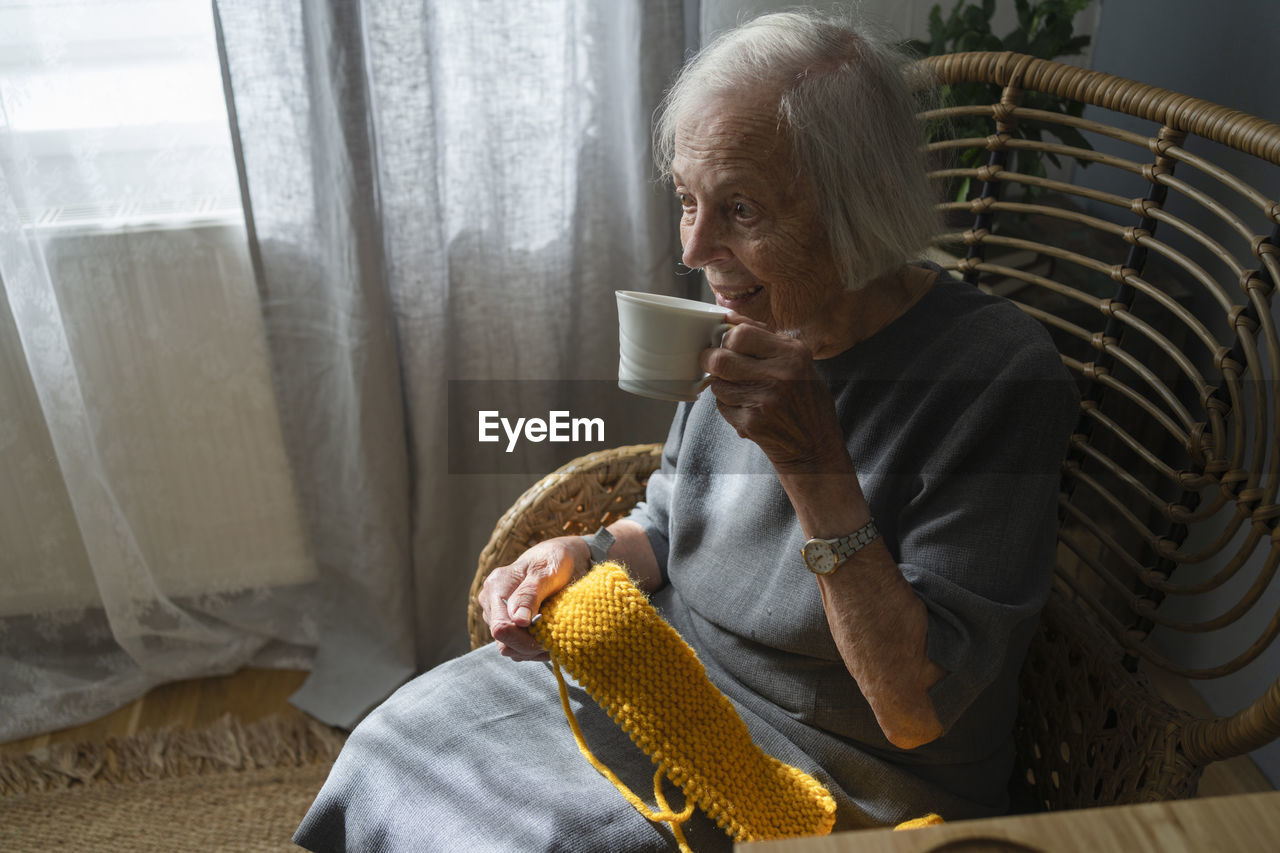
x: 660, y: 339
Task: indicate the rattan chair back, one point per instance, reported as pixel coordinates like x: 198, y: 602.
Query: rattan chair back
x: 1154, y: 268
x: 1160, y: 301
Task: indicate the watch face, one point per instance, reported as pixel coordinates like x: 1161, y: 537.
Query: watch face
x: 819, y: 557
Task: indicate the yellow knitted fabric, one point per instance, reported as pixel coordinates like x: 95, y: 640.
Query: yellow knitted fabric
x: 604, y: 632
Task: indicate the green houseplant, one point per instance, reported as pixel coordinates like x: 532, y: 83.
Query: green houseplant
x: 1045, y: 29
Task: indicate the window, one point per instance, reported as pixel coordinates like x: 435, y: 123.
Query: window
x: 114, y: 111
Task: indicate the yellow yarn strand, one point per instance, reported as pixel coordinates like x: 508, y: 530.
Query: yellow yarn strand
x: 666, y: 814
x: 603, y: 631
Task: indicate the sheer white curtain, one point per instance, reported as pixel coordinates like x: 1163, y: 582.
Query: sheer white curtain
x: 439, y: 192
x: 148, y: 523
x: 228, y: 442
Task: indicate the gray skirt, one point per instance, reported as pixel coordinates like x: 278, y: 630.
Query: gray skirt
x: 477, y: 755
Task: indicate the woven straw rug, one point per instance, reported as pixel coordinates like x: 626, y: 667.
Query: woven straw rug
x: 230, y: 787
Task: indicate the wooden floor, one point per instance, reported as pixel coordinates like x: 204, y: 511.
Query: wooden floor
x: 254, y: 693
x: 249, y: 695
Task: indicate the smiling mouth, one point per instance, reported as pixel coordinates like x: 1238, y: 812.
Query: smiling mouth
x: 723, y: 295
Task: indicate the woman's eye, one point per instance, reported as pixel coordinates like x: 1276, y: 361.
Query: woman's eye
x: 685, y: 199
x: 743, y: 210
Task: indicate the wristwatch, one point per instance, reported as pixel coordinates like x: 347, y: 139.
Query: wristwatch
x: 599, y: 544
x: 821, y: 556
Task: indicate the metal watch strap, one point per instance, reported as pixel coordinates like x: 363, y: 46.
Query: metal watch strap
x: 599, y: 544
x: 846, y: 546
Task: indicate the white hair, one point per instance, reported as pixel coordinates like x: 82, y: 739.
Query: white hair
x: 847, y: 111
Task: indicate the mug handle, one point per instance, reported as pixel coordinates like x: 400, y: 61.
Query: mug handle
x: 716, y: 339
x: 718, y: 333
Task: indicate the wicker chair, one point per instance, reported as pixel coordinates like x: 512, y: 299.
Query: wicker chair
x: 1160, y: 302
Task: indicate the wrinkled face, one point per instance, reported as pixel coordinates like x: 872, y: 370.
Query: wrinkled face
x: 745, y: 220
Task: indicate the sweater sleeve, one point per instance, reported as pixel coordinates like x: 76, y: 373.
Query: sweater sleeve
x: 654, y: 512
x: 977, y: 542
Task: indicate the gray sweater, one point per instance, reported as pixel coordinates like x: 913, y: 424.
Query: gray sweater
x: 956, y: 416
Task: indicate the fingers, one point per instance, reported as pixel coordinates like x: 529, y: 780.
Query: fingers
x: 507, y: 652
x: 735, y: 395
x: 514, y: 640
x: 736, y: 319
x: 518, y: 643
x: 511, y: 596
x: 752, y: 338
x: 749, y: 354
x: 766, y: 387
x: 524, y: 601
x: 543, y: 577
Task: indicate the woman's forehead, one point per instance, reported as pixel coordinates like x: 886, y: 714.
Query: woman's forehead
x: 732, y: 135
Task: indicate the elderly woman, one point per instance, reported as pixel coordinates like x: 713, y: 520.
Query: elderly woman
x: 863, y: 407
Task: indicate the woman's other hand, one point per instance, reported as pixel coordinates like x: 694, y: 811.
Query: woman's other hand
x: 512, y: 594
x: 767, y: 389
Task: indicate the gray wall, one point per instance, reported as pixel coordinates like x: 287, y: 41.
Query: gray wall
x: 1224, y: 51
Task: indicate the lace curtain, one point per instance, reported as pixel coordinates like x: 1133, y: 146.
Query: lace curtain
x: 148, y: 521
x: 230, y: 444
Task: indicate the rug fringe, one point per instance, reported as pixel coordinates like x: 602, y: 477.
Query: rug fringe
x: 228, y: 745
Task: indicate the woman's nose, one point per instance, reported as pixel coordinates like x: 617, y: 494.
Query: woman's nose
x: 703, y: 242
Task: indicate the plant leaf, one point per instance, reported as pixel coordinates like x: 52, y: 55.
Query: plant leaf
x: 1070, y: 136
x: 935, y: 25
x: 1074, y: 46
x: 1024, y: 15
x: 976, y: 20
